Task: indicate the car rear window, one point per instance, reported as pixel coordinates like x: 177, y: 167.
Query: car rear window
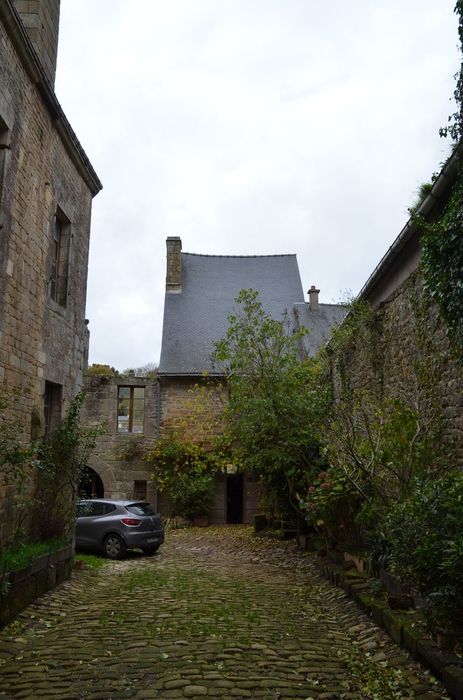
x: 141, y: 509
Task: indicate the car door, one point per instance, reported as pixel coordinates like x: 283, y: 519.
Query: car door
x: 87, y: 529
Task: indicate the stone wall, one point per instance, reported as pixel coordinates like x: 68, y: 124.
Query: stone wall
x: 404, y: 352
x: 191, y: 406
x: 44, y: 174
x: 118, y: 457
x: 41, y: 19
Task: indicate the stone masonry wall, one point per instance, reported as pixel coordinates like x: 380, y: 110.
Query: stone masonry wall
x: 118, y: 457
x: 41, y: 19
x: 407, y: 332
x: 190, y: 406
x: 40, y: 340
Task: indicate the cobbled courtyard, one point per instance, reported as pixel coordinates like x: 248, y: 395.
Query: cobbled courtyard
x: 217, y: 613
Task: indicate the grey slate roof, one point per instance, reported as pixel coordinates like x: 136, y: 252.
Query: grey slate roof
x: 198, y: 316
x: 319, y: 324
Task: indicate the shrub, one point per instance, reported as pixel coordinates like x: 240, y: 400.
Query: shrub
x: 184, y: 471
x: 193, y: 495
x: 425, y: 534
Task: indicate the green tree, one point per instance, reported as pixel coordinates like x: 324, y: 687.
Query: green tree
x: 61, y: 462
x: 275, y: 399
x: 97, y: 370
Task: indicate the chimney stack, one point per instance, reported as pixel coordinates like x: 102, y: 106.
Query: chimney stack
x: 174, y: 265
x: 313, y: 293
x: 41, y: 21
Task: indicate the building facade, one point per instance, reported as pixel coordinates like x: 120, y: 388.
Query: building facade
x: 127, y: 409
x: 47, y: 184
x: 200, y: 296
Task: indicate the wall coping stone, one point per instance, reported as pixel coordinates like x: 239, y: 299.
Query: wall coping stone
x: 445, y: 665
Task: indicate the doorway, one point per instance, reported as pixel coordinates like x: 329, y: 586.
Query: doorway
x: 91, y: 485
x: 235, y: 498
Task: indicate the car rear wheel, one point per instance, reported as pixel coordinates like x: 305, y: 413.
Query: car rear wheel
x: 114, y: 547
x: 149, y: 551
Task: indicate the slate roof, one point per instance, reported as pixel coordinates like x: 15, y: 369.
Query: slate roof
x: 319, y: 324
x: 198, y: 316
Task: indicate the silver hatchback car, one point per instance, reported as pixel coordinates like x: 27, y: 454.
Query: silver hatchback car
x: 115, y: 526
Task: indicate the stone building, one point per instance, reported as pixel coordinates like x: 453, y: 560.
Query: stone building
x: 410, y: 354
x: 127, y: 408
x: 47, y: 184
x: 200, y: 295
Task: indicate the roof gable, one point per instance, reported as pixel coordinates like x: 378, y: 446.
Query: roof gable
x: 198, y: 316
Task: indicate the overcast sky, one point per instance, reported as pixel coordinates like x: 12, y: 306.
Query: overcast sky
x: 248, y: 127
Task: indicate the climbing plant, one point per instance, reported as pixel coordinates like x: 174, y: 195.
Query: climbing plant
x: 61, y: 461
x: 454, y: 128
x: 442, y: 239
x: 378, y: 436
x: 15, y: 452
x: 16, y: 456
x: 442, y: 261
x: 185, y: 472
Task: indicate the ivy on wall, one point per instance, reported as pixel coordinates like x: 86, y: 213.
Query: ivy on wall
x: 442, y: 261
x: 442, y: 240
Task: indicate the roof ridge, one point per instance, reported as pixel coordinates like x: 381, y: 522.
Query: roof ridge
x: 274, y: 255
x: 324, y: 303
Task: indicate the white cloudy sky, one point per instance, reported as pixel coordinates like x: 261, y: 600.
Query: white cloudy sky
x: 248, y: 127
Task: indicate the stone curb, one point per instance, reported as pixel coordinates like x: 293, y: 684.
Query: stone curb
x: 446, y: 666
x: 25, y: 585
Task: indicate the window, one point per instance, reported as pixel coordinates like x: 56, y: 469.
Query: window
x: 52, y: 406
x: 139, y: 490
x: 130, y: 409
x: 4, y: 147
x: 92, y: 509
x: 141, y: 509
x: 60, y: 259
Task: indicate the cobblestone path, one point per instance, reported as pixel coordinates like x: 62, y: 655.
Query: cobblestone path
x: 217, y: 613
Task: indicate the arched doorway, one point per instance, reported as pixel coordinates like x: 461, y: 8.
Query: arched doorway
x: 91, y: 485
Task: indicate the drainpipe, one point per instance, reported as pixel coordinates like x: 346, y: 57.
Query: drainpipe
x: 158, y: 430
x: 158, y: 417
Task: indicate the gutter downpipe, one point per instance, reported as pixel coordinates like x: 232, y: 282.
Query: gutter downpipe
x: 158, y: 429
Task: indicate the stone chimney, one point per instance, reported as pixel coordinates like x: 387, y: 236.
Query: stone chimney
x: 313, y: 298
x: 174, y: 265
x: 41, y: 21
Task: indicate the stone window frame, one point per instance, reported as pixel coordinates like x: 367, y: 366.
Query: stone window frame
x: 52, y: 406
x: 60, y: 256
x: 129, y: 410
x: 5, y: 135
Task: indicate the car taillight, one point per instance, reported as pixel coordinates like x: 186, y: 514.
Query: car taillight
x: 130, y: 521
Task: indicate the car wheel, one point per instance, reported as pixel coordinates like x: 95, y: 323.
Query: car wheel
x: 149, y: 551
x: 114, y: 547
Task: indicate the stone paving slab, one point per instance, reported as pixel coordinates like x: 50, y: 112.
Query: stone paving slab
x: 217, y: 613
